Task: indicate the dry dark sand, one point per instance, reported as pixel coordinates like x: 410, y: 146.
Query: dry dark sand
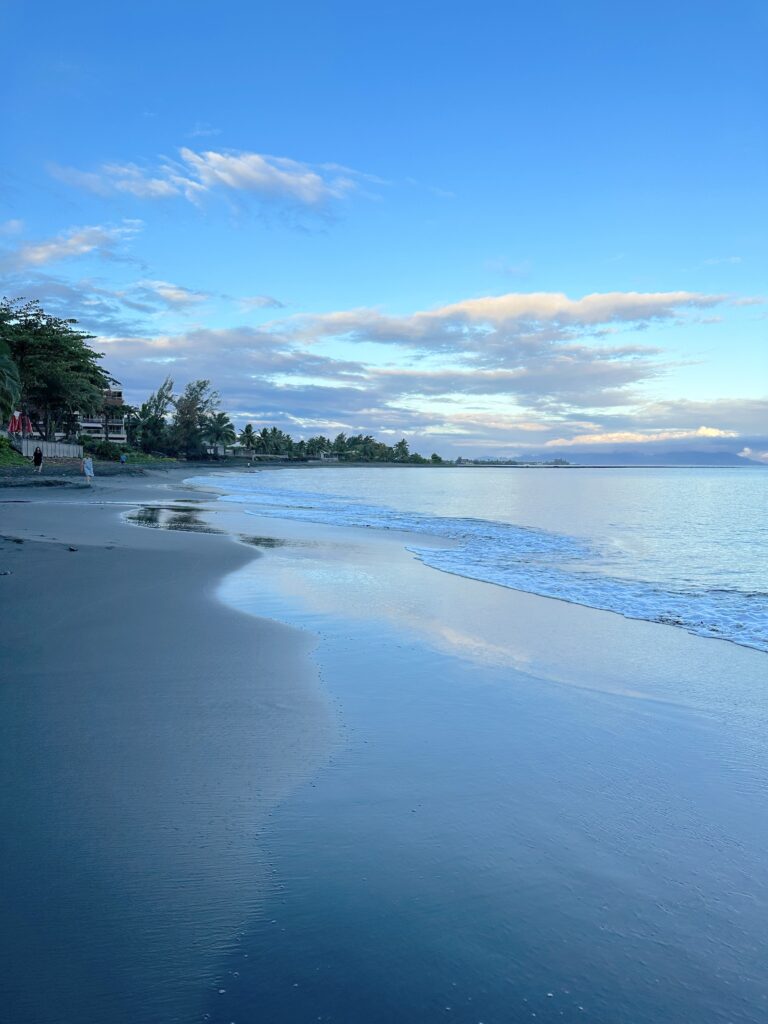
x: 146, y: 730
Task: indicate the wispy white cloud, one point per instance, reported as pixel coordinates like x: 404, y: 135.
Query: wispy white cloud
x: 129, y: 309
x: 194, y: 174
x: 103, y: 308
x: 640, y: 437
x: 97, y: 308
x: 584, y: 380
x: 202, y: 130
x: 268, y: 376
x: 542, y: 345
x: 250, y: 302
x: 508, y: 372
x: 756, y: 456
x: 267, y: 177
x: 118, y: 178
x: 173, y: 295
x: 744, y: 415
x: 99, y: 240
x: 537, y: 351
x: 505, y: 329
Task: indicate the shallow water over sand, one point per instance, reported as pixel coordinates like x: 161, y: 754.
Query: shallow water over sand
x: 542, y: 812
x: 536, y: 808
x: 683, y: 547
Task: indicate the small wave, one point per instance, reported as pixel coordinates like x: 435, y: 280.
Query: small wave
x: 527, y: 559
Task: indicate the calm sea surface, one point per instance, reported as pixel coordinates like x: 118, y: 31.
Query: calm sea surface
x: 688, y: 547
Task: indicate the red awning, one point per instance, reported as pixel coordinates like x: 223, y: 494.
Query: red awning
x: 19, y: 424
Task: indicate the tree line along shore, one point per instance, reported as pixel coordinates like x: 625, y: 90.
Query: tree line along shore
x: 52, y: 377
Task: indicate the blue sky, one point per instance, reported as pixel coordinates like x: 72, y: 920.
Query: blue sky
x: 491, y: 228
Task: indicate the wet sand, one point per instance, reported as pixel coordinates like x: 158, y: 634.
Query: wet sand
x: 541, y: 812
x: 146, y: 732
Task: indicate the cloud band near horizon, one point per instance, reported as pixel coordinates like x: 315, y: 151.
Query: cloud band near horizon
x: 518, y: 371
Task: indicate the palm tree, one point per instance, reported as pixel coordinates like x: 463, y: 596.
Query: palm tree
x: 400, y: 451
x: 361, y: 447
x: 273, y: 441
x: 247, y: 437
x: 218, y: 430
x: 282, y: 443
x: 367, y: 447
x: 317, y: 445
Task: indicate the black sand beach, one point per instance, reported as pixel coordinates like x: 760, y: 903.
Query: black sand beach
x: 146, y: 732
x: 435, y: 800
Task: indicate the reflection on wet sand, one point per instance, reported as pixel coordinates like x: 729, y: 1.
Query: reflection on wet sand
x: 170, y: 517
x: 262, y: 542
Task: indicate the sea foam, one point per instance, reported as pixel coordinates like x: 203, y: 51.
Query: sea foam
x: 524, y: 558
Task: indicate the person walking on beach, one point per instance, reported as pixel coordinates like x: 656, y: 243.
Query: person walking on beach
x: 37, y: 459
x: 88, y: 468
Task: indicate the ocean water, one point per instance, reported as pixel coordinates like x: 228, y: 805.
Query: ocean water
x: 489, y: 844
x: 686, y: 547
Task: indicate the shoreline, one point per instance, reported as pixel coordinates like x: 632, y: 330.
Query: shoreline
x: 537, y: 635
x: 663, y: 604
x: 145, y: 727
x: 532, y: 796
x: 520, y: 794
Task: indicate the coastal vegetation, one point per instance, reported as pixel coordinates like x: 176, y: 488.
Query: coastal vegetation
x: 9, y: 456
x: 10, y: 382
x: 47, y: 369
x: 49, y: 372
x: 190, y: 425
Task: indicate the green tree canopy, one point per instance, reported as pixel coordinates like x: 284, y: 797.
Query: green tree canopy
x: 340, y: 443
x: 59, y: 374
x: 318, y: 445
x: 10, y: 382
x: 247, y: 437
x: 148, y: 426
x: 218, y: 430
x: 191, y: 411
x: 400, y: 451
x: 273, y: 441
